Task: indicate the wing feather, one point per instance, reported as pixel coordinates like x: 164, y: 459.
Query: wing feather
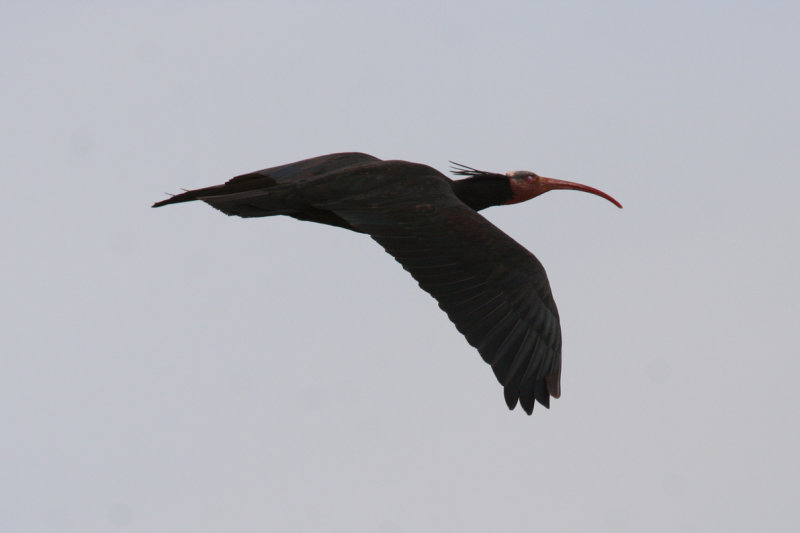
x: 493, y: 290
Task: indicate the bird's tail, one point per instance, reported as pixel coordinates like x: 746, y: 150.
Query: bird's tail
x: 236, y: 200
x: 189, y: 196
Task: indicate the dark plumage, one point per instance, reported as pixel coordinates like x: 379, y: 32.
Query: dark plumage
x: 494, y: 290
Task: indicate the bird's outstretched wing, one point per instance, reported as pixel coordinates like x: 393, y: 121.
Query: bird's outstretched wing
x: 494, y: 290
x: 280, y: 175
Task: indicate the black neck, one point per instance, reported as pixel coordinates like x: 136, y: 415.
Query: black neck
x: 483, y: 191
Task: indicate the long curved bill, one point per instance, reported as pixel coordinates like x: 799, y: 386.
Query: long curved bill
x: 549, y: 184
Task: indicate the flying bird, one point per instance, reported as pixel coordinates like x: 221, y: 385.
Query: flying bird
x: 494, y: 290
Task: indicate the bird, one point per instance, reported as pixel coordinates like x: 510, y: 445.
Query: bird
x: 494, y: 291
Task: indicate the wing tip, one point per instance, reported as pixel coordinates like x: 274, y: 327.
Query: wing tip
x: 543, y: 390
x: 511, y: 397
x: 553, y: 384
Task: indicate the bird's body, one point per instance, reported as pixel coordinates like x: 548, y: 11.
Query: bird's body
x: 494, y: 290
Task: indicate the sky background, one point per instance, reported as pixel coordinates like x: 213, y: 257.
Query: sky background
x: 178, y: 370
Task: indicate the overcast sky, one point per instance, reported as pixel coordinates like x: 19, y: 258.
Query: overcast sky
x: 179, y: 370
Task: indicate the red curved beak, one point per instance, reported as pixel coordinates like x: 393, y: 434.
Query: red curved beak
x: 549, y: 184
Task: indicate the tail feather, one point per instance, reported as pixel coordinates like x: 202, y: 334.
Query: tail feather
x: 237, y: 200
x: 189, y: 196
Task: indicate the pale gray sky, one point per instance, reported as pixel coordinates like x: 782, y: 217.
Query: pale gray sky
x: 178, y: 370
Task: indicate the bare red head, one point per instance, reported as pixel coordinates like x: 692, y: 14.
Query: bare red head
x: 526, y: 185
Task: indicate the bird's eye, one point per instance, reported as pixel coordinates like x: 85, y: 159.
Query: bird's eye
x: 529, y: 179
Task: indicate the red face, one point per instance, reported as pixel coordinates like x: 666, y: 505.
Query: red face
x: 526, y: 185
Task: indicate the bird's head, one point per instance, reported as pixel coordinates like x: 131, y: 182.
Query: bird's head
x: 526, y: 185
x: 515, y: 186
